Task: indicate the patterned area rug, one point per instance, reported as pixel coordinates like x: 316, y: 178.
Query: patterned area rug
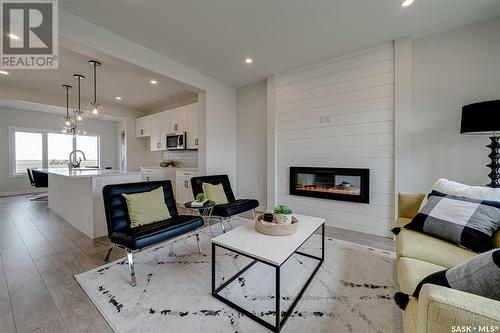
x: 352, y: 291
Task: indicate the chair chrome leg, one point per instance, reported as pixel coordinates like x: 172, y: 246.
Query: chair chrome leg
x: 222, y: 225
x: 253, y: 213
x: 131, y: 269
x: 108, y: 253
x: 198, y: 242
x: 229, y: 220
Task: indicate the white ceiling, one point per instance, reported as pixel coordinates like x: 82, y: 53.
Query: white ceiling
x: 132, y: 84
x: 214, y: 37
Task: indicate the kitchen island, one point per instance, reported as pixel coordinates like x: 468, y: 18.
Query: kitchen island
x: 76, y: 195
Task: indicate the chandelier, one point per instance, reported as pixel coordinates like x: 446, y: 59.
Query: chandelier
x: 72, y: 123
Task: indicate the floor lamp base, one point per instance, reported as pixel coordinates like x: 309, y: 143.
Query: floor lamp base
x: 494, y: 165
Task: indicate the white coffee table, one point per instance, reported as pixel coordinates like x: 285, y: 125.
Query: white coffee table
x: 270, y: 250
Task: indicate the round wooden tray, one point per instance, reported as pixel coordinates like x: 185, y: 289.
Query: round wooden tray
x: 274, y: 229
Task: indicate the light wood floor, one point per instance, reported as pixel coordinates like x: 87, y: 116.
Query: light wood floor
x: 40, y: 253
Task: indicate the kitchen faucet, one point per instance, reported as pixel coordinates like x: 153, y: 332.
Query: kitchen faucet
x: 75, y: 164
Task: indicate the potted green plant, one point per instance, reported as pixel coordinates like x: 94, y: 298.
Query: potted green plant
x: 282, y: 214
x: 199, y: 201
x: 200, y: 197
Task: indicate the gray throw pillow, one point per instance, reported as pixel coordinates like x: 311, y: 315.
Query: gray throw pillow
x: 479, y: 275
x: 467, y: 222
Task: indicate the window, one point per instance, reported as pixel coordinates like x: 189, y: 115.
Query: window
x: 28, y: 151
x: 44, y: 149
x: 90, y: 146
x: 58, y: 148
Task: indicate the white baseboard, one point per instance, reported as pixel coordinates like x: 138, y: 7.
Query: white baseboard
x: 23, y: 192
x: 363, y: 229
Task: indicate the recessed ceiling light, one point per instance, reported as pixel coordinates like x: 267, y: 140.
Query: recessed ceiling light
x: 406, y: 3
x: 248, y: 60
x: 12, y: 36
x: 153, y: 82
x: 4, y: 72
x: 118, y: 98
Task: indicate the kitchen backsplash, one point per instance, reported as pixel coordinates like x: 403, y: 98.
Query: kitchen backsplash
x: 184, y: 159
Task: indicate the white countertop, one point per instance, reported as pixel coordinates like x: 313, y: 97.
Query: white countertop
x: 87, y: 173
x: 170, y: 168
x: 272, y: 249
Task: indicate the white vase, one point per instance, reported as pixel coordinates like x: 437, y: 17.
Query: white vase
x: 283, y: 218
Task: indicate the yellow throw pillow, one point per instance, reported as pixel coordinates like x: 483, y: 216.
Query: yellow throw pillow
x: 146, y: 207
x: 215, y: 193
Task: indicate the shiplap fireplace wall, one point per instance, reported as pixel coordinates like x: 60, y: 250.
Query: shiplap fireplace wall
x: 339, y: 114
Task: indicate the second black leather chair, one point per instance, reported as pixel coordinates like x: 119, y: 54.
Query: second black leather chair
x: 233, y: 207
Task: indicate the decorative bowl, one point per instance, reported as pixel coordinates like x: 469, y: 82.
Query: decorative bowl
x: 275, y: 229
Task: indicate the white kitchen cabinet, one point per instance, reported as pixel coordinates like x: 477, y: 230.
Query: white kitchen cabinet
x: 143, y: 127
x: 184, y: 192
x: 157, y: 139
x: 158, y: 125
x: 176, y: 120
x: 192, y: 127
x: 151, y: 174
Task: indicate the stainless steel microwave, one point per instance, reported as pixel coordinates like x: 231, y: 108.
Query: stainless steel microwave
x: 176, y: 141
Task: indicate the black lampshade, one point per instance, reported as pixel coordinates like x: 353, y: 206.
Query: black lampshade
x: 481, y: 118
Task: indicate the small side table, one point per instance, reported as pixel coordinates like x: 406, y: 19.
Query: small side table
x: 204, y: 211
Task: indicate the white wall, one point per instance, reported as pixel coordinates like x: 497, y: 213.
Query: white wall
x: 107, y: 130
x: 451, y: 69
x: 251, y: 141
x: 138, y: 153
x: 217, y: 153
x: 357, y: 92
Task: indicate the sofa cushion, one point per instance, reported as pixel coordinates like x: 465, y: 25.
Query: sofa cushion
x: 496, y: 239
x: 479, y: 275
x: 468, y: 222
x: 423, y: 247
x: 235, y: 207
x: 444, y: 185
x: 412, y: 271
x: 402, y: 221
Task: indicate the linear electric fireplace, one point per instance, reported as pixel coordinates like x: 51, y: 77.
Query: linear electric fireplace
x: 344, y: 184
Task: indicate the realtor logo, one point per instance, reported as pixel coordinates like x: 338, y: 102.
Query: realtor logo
x: 29, y: 34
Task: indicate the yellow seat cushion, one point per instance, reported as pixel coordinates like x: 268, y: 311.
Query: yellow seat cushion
x: 414, y: 244
x: 215, y: 193
x: 412, y: 271
x: 401, y: 222
x: 496, y: 239
x: 146, y: 207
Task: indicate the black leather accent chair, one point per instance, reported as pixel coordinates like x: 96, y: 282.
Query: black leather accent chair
x: 121, y: 234
x: 39, y: 180
x: 233, y: 207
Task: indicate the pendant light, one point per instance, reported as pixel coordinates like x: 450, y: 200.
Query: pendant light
x: 67, y: 121
x: 94, y: 108
x: 78, y: 113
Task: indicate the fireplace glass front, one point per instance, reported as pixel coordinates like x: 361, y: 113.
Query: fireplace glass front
x: 345, y: 184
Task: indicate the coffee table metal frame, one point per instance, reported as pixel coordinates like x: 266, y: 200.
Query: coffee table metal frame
x: 279, y: 322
